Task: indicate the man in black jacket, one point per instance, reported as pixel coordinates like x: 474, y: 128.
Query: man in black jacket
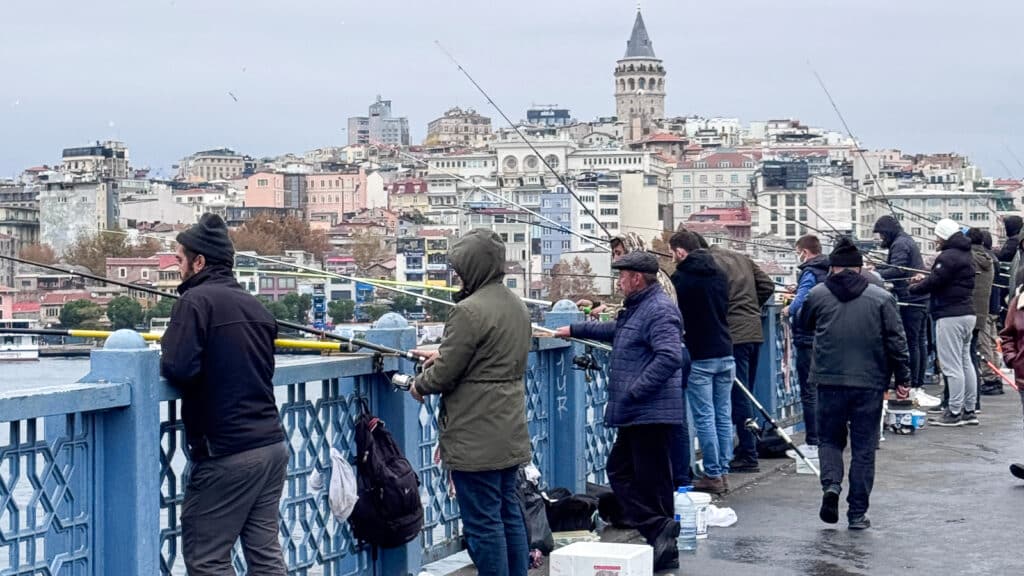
x: 951, y: 286
x: 219, y: 352
x: 904, y: 253
x: 858, y: 343
x: 703, y: 297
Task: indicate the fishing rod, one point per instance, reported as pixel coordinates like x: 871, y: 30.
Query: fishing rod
x: 540, y: 156
x: 153, y: 337
x: 856, y: 144
x: 500, y: 198
x: 408, y: 355
x: 283, y: 323
x: 753, y: 426
x: 366, y: 280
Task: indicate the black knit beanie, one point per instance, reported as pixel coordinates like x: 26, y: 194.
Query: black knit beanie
x: 210, y: 238
x: 845, y: 255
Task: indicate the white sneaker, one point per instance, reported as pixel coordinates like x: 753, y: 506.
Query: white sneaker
x: 924, y: 399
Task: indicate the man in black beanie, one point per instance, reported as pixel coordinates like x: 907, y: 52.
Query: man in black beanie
x: 218, y: 350
x: 858, y: 339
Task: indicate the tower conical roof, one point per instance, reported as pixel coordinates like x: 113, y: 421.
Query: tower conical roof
x: 639, y: 44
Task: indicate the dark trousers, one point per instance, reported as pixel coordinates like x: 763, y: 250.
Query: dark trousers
x: 231, y: 498
x: 681, y: 473
x: 745, y: 356
x: 856, y: 411
x: 640, y: 473
x: 808, y: 394
x: 492, y: 521
x: 915, y: 325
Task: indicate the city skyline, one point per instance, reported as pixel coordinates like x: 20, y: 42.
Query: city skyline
x: 180, y: 76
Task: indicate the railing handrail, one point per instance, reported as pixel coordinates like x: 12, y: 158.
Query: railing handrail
x: 25, y: 401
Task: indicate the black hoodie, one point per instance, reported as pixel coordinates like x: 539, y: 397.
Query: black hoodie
x: 903, y: 252
x: 1013, y: 226
x: 702, y: 290
x: 951, y: 282
x: 858, y: 336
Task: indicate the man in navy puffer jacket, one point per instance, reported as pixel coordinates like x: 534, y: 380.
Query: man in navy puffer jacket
x: 645, y: 400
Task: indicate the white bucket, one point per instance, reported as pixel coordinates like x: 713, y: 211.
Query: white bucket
x: 701, y: 501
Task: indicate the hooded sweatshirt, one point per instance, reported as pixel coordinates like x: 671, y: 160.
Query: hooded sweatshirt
x: 702, y: 290
x: 812, y: 272
x: 481, y: 363
x: 1013, y: 225
x: 904, y: 252
x: 858, y: 336
x: 951, y: 282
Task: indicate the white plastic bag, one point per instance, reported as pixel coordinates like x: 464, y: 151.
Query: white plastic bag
x: 343, y: 492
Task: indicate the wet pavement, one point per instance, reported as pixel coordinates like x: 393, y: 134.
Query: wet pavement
x: 944, y: 502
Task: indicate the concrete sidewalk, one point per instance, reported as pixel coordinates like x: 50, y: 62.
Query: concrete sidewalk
x: 944, y: 502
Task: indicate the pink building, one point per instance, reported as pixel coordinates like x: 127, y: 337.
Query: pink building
x: 6, y: 303
x: 325, y: 196
x: 140, y: 270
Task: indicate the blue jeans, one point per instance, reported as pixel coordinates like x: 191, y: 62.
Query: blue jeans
x: 492, y: 521
x: 708, y: 393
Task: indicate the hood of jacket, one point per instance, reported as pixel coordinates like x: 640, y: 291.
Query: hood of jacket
x: 982, y: 259
x: 846, y: 285
x: 889, y: 229
x: 699, y: 262
x: 479, y: 259
x: 957, y: 242
x: 818, y: 262
x: 1013, y: 225
x: 210, y: 274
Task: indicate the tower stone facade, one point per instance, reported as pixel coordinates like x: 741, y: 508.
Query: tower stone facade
x: 639, y: 82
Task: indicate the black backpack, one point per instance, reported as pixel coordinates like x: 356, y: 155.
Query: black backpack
x: 388, y: 512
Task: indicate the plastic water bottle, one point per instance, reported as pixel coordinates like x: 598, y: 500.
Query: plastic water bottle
x: 686, y: 516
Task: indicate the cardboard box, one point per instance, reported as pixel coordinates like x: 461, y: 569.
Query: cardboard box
x: 602, y: 559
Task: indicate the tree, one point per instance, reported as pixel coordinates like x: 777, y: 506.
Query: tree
x: 124, y: 312
x: 368, y: 249
x: 273, y: 236
x: 375, y: 311
x: 403, y: 304
x: 80, y: 313
x: 92, y: 251
x: 435, y: 310
x: 161, y: 309
x: 41, y: 253
x: 341, y: 310
x: 298, y: 307
x: 277, y: 309
x: 571, y: 281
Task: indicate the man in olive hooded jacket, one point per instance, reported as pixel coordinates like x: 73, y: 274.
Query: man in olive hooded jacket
x: 478, y: 371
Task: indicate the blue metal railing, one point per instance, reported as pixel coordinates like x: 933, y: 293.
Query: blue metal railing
x: 81, y: 464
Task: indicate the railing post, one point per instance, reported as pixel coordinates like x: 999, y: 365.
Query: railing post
x: 400, y: 414
x: 567, y: 414
x: 127, y: 540
x: 769, y: 363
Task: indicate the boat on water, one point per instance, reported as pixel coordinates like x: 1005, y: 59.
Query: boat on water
x: 18, y: 347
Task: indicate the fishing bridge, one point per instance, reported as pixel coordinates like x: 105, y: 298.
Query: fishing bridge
x: 92, y: 473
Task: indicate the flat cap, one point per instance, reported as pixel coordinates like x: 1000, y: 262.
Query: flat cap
x: 638, y: 261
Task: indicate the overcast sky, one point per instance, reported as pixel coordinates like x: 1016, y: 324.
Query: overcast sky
x: 920, y: 75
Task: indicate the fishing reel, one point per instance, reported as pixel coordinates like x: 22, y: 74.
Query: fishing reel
x: 405, y: 381
x: 587, y: 363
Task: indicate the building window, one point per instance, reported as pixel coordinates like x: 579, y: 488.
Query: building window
x: 734, y: 178
x: 703, y: 194
x: 703, y: 178
x: 773, y: 200
x: 719, y: 177
x: 547, y: 258
x: 504, y: 237
x: 956, y: 216
x: 609, y: 211
x: 790, y: 200
x: 565, y: 244
x: 687, y: 195
x: 511, y: 283
x: 790, y: 229
x: 519, y: 237
x: 262, y: 182
x: 122, y: 272
x: 145, y: 274
x: 686, y: 178
x: 266, y: 283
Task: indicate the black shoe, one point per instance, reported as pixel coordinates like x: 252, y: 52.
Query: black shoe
x: 829, y: 512
x: 991, y: 389
x: 744, y: 464
x: 666, y: 554
x: 970, y: 419
x: 1017, y: 470
x: 947, y: 420
x: 937, y: 409
x: 860, y: 522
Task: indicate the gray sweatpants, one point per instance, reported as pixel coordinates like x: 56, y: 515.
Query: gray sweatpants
x: 237, y: 496
x: 953, y: 343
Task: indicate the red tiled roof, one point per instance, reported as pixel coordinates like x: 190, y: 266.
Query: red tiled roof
x: 713, y: 161
x: 151, y: 261
x: 63, y: 297
x: 23, y: 307
x: 663, y: 137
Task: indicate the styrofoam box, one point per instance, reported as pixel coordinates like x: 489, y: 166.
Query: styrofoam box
x: 602, y: 559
